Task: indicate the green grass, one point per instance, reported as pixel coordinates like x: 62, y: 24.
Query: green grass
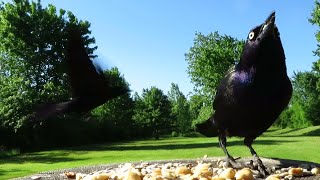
x: 297, y: 144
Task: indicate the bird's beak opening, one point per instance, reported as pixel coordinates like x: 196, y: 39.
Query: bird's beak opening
x: 268, y: 27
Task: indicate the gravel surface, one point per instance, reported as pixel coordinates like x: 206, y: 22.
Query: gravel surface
x: 194, y: 169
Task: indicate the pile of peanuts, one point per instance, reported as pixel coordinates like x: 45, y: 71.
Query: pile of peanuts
x: 185, y: 171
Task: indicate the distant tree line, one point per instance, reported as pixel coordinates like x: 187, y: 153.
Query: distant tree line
x: 32, y: 72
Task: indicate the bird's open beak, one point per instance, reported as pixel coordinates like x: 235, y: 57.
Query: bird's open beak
x: 268, y: 26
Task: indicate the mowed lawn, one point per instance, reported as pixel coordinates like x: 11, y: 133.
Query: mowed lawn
x: 297, y: 144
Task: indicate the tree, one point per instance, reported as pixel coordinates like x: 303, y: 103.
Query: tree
x: 35, y: 38
x: 315, y: 20
x: 196, y: 102
x: 208, y: 60
x: 115, y: 117
x: 152, y: 113
x: 32, y: 66
x: 293, y: 117
x: 306, y: 94
x: 180, y: 109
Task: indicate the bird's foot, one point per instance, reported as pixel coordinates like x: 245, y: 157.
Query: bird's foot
x: 258, y: 165
x: 231, y: 162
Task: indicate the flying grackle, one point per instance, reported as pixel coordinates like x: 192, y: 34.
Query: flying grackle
x: 90, y: 87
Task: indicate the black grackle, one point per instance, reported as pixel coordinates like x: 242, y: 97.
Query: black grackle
x: 253, y: 93
x: 90, y: 87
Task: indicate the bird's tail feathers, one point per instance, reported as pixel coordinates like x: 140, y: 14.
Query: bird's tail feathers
x: 208, y: 128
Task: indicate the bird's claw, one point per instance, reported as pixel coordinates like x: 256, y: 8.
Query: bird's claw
x: 231, y: 162
x: 260, y: 166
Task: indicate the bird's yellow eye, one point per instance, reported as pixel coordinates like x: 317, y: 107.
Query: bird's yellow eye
x: 251, y: 35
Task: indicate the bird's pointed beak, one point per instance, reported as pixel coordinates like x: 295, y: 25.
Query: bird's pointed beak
x: 271, y: 18
x: 268, y: 26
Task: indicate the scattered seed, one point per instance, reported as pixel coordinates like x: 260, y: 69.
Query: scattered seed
x: 244, y: 174
x: 298, y: 172
x: 228, y: 173
x: 70, y: 175
x: 187, y: 171
x: 315, y: 171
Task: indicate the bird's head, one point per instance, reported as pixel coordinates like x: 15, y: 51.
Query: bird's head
x: 263, y: 45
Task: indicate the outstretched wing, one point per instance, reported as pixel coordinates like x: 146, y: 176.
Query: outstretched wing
x: 84, y: 77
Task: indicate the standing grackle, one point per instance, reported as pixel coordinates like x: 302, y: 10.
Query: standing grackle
x: 90, y: 87
x: 252, y: 94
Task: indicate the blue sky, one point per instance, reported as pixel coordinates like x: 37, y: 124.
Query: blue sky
x: 147, y: 39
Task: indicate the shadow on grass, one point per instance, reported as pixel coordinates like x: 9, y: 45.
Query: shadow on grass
x: 272, y: 130
x: 287, y: 133
x: 5, y: 172
x: 291, y: 130
x: 315, y: 132
x: 12, y: 171
x: 62, y: 155
x: 166, y: 141
x: 48, y: 158
x: 168, y: 146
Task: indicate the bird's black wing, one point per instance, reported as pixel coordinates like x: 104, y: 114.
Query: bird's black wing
x: 223, y: 88
x: 84, y: 77
x: 90, y: 87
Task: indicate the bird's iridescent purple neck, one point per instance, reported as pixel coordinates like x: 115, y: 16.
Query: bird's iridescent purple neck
x: 244, y: 76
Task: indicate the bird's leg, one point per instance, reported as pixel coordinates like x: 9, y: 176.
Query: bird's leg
x: 261, y: 168
x: 231, y: 162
